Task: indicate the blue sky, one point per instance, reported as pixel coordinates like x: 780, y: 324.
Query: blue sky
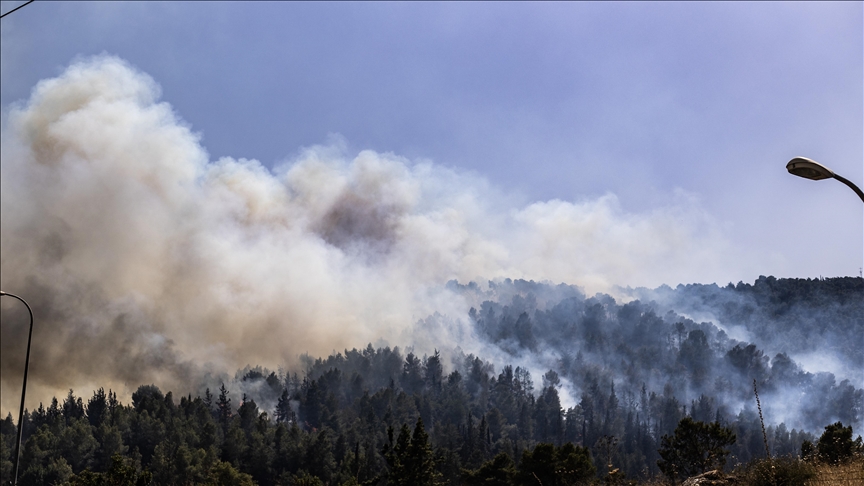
x: 546, y: 101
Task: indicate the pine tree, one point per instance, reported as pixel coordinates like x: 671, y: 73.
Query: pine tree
x: 283, y: 408
x: 694, y: 448
x: 419, y: 463
x: 434, y: 372
x: 97, y: 408
x: 73, y: 408
x: 223, y: 405
x: 836, y: 445
x: 208, y: 399
x: 410, y: 457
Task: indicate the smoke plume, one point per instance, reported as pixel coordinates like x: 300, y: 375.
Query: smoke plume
x: 147, y: 262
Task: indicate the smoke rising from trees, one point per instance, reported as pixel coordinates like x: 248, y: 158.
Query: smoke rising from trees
x: 147, y: 262
x: 648, y: 346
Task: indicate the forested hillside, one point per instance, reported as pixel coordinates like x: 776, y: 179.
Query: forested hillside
x: 797, y: 316
x: 618, y: 377
x: 652, y: 342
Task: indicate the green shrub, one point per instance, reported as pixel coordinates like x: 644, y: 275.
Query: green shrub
x: 836, y: 444
x: 694, y: 448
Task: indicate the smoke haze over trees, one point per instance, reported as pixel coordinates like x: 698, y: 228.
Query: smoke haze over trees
x: 148, y: 263
x: 595, y: 342
x: 350, y: 417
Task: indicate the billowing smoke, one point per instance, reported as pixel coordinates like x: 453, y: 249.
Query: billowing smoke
x: 147, y: 262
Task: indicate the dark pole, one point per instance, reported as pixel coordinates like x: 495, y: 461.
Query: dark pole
x: 851, y: 186
x: 23, y: 388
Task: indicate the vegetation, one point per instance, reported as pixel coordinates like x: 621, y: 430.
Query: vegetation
x: 850, y: 473
x: 696, y: 447
x: 632, y: 391
x: 836, y: 446
x: 336, y: 432
x: 779, y: 471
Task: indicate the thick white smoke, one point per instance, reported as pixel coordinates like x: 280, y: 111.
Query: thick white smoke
x: 147, y: 262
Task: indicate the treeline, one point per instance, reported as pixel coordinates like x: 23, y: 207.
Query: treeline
x: 354, y: 418
x: 619, y: 377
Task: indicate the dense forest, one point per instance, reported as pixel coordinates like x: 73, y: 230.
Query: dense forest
x: 595, y: 343
x: 617, y: 378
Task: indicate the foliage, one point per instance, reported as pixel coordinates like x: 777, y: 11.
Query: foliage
x: 695, y: 448
x: 410, y: 457
x: 499, y: 471
x: 481, y: 424
x: 641, y: 370
x: 122, y: 472
x: 555, y: 466
x: 224, y: 474
x: 836, y: 444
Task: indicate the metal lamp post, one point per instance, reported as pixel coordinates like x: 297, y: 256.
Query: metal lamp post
x: 23, y: 388
x: 810, y: 169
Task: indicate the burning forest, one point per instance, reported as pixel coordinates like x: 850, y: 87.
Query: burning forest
x: 190, y: 314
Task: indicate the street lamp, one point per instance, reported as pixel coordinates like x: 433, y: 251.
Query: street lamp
x: 810, y: 169
x: 23, y: 388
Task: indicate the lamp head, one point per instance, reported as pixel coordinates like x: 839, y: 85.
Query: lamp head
x: 808, y: 169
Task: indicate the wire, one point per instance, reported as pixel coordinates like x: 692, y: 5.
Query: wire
x: 16, y: 8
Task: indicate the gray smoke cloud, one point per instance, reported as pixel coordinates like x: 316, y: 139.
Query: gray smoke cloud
x: 147, y: 262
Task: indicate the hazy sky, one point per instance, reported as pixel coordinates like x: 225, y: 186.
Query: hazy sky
x: 570, y: 101
x: 401, y: 145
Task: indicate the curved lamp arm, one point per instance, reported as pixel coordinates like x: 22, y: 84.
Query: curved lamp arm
x: 810, y: 169
x: 23, y: 388
x: 851, y: 185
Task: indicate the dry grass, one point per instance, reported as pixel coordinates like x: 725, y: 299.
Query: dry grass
x: 778, y: 471
x: 789, y: 471
x: 847, y: 474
